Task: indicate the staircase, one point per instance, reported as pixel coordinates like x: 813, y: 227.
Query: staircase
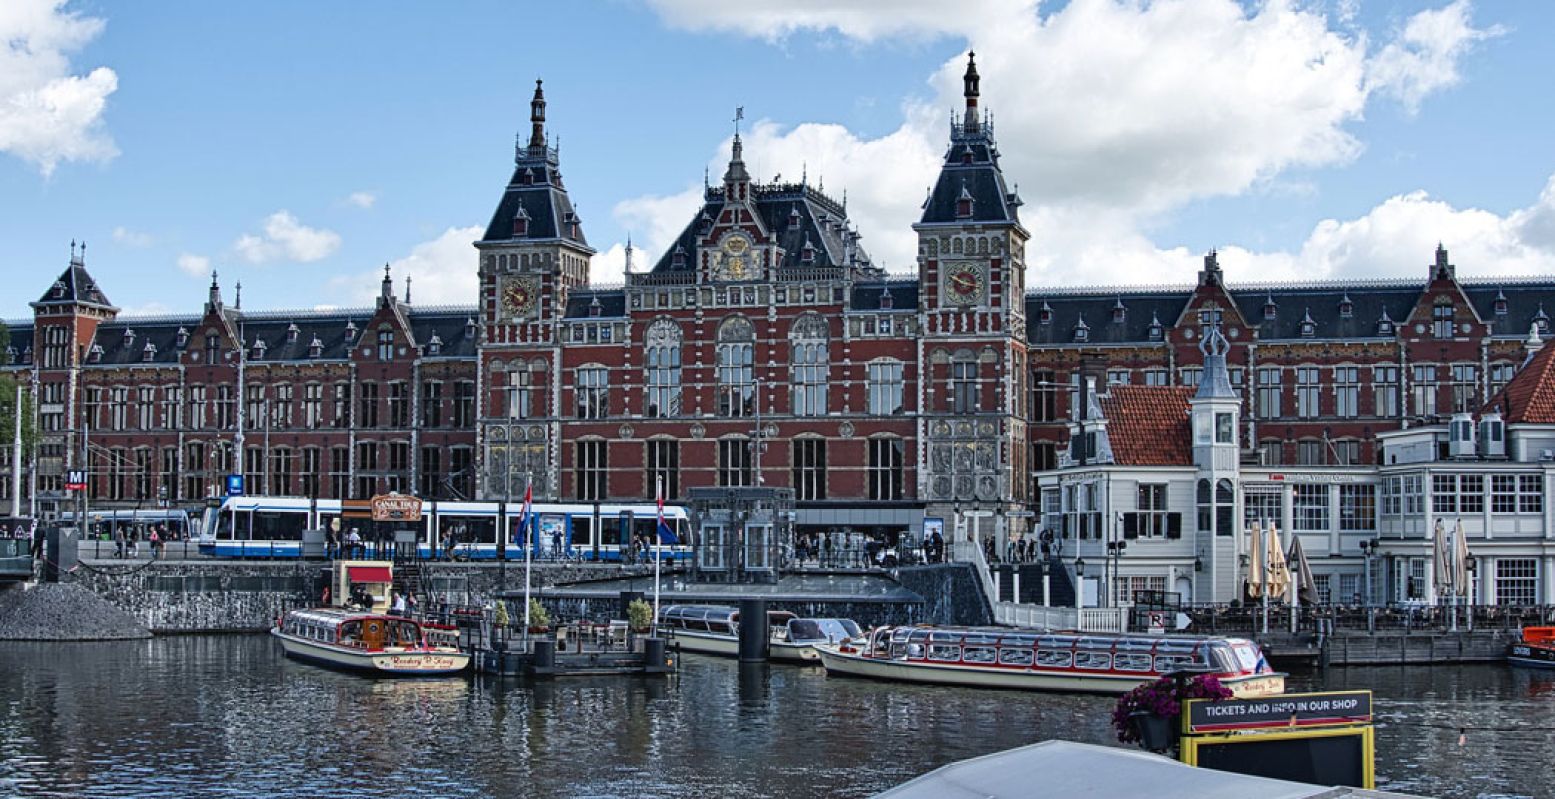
x: 1060, y: 588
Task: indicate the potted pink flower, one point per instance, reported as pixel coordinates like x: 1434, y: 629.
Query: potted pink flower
x: 1149, y: 714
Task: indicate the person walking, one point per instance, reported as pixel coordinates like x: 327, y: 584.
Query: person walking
x: 118, y: 544
x: 156, y: 544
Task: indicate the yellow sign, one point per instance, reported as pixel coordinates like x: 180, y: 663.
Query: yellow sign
x: 396, y: 508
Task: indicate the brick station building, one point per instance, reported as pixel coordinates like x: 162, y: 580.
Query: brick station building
x: 764, y: 345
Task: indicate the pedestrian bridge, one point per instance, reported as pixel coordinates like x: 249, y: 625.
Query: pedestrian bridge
x: 15, y: 560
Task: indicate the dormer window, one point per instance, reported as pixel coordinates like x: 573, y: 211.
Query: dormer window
x: 129, y: 337
x: 59, y: 290
x: 678, y: 260
x: 520, y: 223
x: 1385, y: 324
x: 469, y: 327
x: 964, y: 203
x: 10, y: 355
x: 1082, y: 331
x: 529, y: 177
x: 1542, y: 320
x: 1269, y: 310
x: 350, y: 333
x: 887, y: 302
x: 183, y: 338
x: 595, y: 309
x: 704, y: 222
x: 1045, y: 315
x: 1308, y: 327
x: 572, y: 221
x: 1157, y: 330
x: 435, y: 345
x: 807, y: 252
x: 291, y: 333
x: 1500, y: 304
x: 259, y: 349
x: 27, y: 355
x: 315, y: 348
x: 1346, y: 307
x: 1119, y: 312
x: 793, y: 218
x: 95, y: 355
x: 148, y: 354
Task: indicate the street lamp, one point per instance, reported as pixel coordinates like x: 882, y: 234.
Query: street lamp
x: 1079, y: 588
x: 1368, y: 549
x: 1115, y: 558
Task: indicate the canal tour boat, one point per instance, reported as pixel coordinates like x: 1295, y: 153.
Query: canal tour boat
x: 368, y: 642
x: 715, y: 630
x: 1048, y: 661
x: 1536, y: 649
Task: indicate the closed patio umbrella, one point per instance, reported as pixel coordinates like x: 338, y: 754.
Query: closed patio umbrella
x: 1301, y: 572
x: 1460, y: 561
x: 1441, y: 568
x: 1279, y: 573
x: 1255, y: 573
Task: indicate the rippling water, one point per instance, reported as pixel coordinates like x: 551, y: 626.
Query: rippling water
x: 228, y: 716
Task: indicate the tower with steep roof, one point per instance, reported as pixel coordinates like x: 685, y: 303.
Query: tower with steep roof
x: 971, y: 264
x: 65, y: 323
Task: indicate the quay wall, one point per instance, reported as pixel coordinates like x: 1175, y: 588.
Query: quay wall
x: 950, y: 591
x: 1348, y: 648
x: 246, y: 596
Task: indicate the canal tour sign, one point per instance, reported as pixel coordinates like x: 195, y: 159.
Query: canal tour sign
x: 1288, y: 710
x: 396, y: 508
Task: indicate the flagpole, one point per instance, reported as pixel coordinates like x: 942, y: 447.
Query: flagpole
x: 658, y: 543
x: 528, y: 512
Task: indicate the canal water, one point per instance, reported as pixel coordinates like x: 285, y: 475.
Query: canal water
x: 228, y: 716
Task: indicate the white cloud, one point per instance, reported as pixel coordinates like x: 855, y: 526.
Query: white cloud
x: 133, y: 239
x: 148, y: 309
x: 194, y: 265
x: 362, y: 199
x: 1110, y: 114
x: 864, y: 20
x: 286, y: 238
x: 47, y: 114
x: 1424, y: 58
x: 443, y: 271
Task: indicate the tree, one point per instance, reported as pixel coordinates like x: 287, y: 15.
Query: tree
x: 8, y: 382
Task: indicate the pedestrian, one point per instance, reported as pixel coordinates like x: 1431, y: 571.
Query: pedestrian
x: 397, y: 607
x: 556, y: 544
x: 156, y: 544
x: 118, y: 544
x: 353, y: 544
x: 134, y: 539
x: 410, y: 604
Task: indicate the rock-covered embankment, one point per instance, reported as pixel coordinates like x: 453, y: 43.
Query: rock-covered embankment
x: 63, y: 612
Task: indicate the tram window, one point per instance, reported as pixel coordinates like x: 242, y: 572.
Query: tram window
x: 582, y: 531
x: 979, y: 654
x: 1092, y: 660
x: 1054, y: 658
x: 469, y: 529
x: 1015, y: 657
x: 277, y: 526
x: 1131, y: 662
x: 944, y: 652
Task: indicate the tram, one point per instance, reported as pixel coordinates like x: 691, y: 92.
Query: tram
x: 272, y: 527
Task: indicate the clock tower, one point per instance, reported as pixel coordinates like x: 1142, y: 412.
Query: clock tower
x: 532, y: 255
x: 971, y: 282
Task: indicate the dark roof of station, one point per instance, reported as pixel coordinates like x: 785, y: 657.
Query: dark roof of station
x: 795, y: 214
x: 75, y: 287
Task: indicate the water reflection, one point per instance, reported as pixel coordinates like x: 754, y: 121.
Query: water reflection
x: 227, y: 716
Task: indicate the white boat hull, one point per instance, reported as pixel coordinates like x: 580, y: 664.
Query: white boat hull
x: 729, y: 646
x: 857, y: 665
x: 387, y: 662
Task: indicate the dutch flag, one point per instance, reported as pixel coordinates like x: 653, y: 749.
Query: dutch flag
x: 523, y: 515
x: 666, y: 535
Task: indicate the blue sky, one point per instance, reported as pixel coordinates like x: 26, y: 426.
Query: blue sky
x: 299, y: 146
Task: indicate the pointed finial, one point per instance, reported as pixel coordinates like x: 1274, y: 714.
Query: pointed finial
x: 537, y: 118
x: 238, y: 300
x: 213, y: 278
x: 407, y: 289
x: 804, y: 173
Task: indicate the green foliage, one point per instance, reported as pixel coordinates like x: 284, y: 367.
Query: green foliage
x: 8, y: 385
x: 501, y: 615
x: 639, y: 614
x: 538, y: 617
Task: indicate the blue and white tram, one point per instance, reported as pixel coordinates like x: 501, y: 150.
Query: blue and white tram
x: 272, y: 527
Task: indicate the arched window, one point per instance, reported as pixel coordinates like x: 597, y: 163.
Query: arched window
x: 736, y: 370
x: 385, y: 344
x: 661, y: 369
x: 1206, y: 506
x: 810, y: 365
x: 1225, y: 503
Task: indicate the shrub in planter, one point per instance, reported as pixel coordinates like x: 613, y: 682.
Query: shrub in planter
x: 1148, y: 714
x: 539, y: 619
x: 639, y: 615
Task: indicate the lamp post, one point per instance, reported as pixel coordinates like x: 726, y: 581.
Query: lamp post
x: 1115, y: 557
x: 1047, y: 593
x: 1368, y: 548
x: 1079, y: 589
x: 1472, y: 564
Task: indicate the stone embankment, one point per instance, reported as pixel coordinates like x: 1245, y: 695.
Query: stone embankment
x: 63, y: 612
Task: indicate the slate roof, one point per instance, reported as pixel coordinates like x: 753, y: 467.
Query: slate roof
x: 1525, y: 300
x: 972, y: 168
x: 904, y: 295
x: 793, y: 213
x: 449, y: 324
x: 536, y: 187
x: 1530, y: 396
x: 1148, y: 425
x: 612, y: 303
x: 75, y: 287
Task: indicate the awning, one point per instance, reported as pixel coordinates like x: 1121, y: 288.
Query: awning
x: 369, y: 574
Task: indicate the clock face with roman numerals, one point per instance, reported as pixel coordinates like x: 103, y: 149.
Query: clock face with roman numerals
x: 963, y: 283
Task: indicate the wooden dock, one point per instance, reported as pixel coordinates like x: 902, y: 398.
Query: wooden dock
x: 1386, y: 647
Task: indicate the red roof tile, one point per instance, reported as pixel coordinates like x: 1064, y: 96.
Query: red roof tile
x: 1148, y: 425
x: 1530, y: 397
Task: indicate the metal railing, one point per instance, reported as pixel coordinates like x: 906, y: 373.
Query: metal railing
x: 1091, y: 620
x: 1397, y: 618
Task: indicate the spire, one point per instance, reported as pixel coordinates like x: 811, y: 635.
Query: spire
x: 971, y: 91
x: 1216, y: 381
x: 213, y: 301
x: 237, y: 302
x: 386, y: 292
x: 537, y: 119
x: 628, y: 253
x: 407, y: 289
x: 736, y: 178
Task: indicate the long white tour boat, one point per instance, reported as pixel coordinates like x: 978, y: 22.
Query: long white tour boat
x: 715, y: 630
x: 1048, y: 661
x: 368, y: 642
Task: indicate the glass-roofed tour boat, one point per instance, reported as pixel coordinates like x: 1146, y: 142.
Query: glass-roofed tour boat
x: 1048, y: 661
x: 715, y: 630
